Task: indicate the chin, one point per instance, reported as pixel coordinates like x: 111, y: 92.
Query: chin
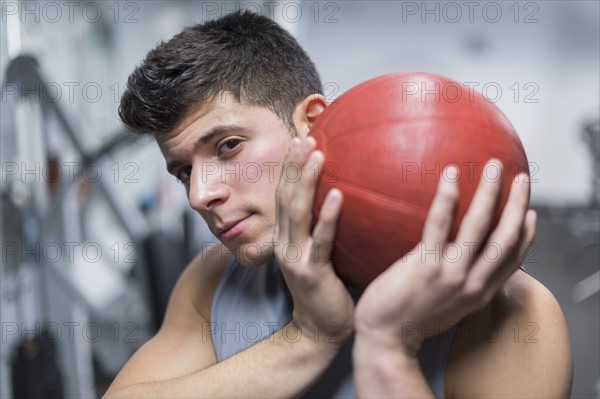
x: 252, y: 254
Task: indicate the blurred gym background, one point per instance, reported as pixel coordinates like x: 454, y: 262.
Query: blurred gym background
x: 95, y: 232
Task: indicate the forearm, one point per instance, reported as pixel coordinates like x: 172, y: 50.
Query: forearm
x: 283, y: 365
x: 384, y: 371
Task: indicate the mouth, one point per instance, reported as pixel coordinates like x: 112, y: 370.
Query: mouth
x: 233, y: 228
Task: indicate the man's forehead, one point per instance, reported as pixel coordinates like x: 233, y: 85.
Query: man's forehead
x: 222, y: 108
x: 208, y: 119
x: 193, y: 114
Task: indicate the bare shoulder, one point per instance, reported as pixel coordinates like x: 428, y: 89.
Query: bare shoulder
x: 518, y: 346
x: 182, y: 345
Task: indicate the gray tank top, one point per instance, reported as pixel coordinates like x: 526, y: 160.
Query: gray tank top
x: 250, y: 304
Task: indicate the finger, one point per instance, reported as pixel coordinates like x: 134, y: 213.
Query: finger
x: 324, y: 232
x: 527, y: 236
x: 501, y: 274
x: 284, y: 193
x: 497, y: 258
x: 474, y: 228
x: 517, y: 255
x: 441, y: 213
x: 304, y: 194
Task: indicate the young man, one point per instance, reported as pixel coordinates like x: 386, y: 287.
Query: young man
x: 230, y: 103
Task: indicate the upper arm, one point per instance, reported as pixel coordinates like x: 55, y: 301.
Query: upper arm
x: 183, y: 343
x: 517, y: 348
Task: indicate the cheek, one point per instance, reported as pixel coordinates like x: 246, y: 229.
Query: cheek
x: 260, y: 181
x: 263, y: 167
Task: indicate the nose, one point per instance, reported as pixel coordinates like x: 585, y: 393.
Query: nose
x: 207, y: 189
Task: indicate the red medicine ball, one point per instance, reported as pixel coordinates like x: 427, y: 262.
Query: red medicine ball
x: 386, y: 143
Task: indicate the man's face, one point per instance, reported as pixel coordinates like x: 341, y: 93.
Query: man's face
x: 229, y: 157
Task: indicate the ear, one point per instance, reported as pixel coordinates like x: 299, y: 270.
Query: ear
x: 307, y: 112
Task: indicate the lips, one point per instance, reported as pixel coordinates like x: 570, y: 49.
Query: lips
x: 232, y: 228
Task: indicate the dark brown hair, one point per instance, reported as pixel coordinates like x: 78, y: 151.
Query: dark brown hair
x: 242, y: 53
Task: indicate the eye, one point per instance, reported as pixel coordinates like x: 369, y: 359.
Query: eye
x: 228, y: 146
x: 184, y: 174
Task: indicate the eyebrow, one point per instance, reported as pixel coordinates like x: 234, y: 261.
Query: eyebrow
x: 204, y: 139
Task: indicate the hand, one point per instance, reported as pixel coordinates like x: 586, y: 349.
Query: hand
x: 432, y: 288
x: 323, y: 308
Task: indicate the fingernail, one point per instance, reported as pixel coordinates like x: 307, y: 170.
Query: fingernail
x: 451, y: 174
x: 332, y: 198
x: 496, y: 163
x: 313, y: 158
x: 533, y: 215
